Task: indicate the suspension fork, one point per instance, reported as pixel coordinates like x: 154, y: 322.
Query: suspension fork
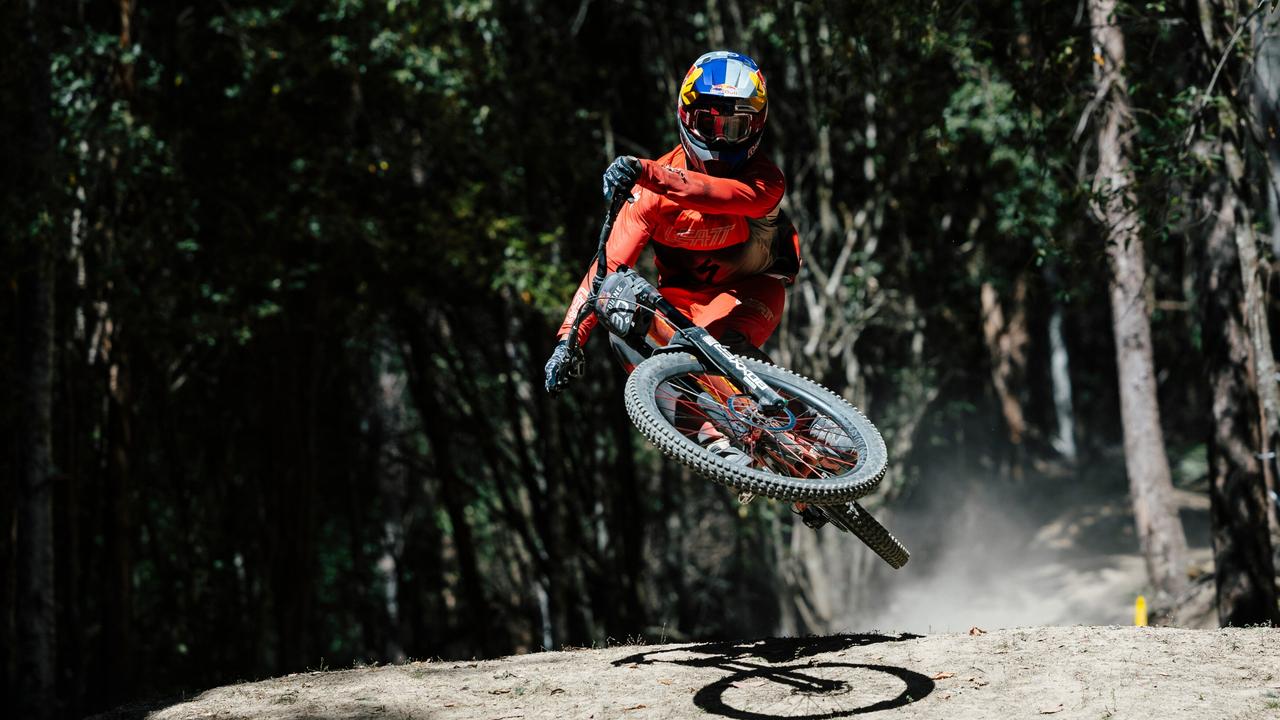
x: 711, y: 351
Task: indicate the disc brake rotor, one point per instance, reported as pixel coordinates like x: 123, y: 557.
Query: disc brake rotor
x: 744, y: 408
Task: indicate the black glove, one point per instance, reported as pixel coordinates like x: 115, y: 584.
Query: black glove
x: 621, y: 176
x: 562, y: 365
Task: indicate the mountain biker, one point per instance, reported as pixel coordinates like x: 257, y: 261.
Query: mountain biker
x: 710, y: 206
x: 724, y: 250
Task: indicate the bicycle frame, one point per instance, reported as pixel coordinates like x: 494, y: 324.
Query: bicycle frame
x: 624, y: 301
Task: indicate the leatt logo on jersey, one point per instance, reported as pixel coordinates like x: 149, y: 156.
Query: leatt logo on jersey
x: 698, y: 238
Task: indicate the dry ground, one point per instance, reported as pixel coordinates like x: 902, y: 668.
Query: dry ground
x: 1080, y: 672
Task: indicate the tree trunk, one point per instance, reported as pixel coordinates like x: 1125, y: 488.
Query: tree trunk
x: 1266, y: 85
x: 1064, y: 440
x: 481, y: 632
x: 1264, y: 364
x: 36, y: 631
x: 1007, y: 340
x: 36, y: 636
x: 393, y: 478
x: 1243, y: 569
x: 1159, y: 530
x: 1246, y: 404
x: 118, y: 541
x: 1265, y: 107
x: 628, y: 518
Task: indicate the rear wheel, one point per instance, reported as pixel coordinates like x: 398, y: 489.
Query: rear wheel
x: 818, y: 449
x: 855, y: 519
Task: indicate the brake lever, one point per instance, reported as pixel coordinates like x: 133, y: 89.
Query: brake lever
x: 577, y: 364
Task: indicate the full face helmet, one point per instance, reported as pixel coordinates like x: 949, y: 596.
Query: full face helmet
x: 721, y: 109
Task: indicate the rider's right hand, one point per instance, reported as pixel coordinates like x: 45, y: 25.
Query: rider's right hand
x: 621, y: 176
x: 561, y: 366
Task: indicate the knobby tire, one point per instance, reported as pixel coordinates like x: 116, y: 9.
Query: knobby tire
x: 855, y: 518
x: 642, y: 405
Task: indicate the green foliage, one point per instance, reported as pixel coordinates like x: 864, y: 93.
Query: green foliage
x: 986, y: 117
x: 529, y: 269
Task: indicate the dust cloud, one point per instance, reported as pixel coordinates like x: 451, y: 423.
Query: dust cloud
x: 994, y: 553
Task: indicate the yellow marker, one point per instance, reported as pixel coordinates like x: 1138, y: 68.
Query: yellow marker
x: 1140, y: 612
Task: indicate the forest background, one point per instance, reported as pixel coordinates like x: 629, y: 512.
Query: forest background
x: 279, y: 278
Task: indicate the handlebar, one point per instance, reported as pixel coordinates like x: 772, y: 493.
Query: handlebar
x: 602, y: 254
x: 602, y: 265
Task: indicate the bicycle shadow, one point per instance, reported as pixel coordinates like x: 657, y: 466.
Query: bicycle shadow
x: 800, y: 682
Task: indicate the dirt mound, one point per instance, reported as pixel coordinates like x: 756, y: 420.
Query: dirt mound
x: 1081, y: 672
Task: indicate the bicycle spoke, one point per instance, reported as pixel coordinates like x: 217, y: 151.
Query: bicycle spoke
x: 814, y: 470
x: 710, y: 406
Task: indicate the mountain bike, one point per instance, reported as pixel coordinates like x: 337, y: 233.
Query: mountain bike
x: 750, y: 425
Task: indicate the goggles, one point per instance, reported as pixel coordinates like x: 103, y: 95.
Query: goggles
x: 710, y: 125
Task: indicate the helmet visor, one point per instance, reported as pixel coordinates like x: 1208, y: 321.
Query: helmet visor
x: 711, y: 126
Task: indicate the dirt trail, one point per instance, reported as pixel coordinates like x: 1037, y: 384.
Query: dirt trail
x: 1080, y: 672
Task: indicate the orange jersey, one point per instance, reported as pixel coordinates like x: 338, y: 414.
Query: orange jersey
x: 699, y: 224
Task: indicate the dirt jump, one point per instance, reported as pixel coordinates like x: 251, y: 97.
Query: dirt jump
x: 1078, y: 672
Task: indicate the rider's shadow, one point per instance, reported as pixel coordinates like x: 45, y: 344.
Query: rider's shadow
x: 774, y: 678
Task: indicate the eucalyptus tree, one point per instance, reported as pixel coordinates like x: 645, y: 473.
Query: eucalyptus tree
x: 1241, y: 368
x: 1160, y: 531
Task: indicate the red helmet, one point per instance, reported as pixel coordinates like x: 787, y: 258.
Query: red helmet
x: 722, y: 108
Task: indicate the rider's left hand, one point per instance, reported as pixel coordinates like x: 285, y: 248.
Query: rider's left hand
x: 561, y: 366
x: 621, y: 176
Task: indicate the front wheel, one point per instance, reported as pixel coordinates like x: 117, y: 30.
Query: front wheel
x: 819, y: 449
